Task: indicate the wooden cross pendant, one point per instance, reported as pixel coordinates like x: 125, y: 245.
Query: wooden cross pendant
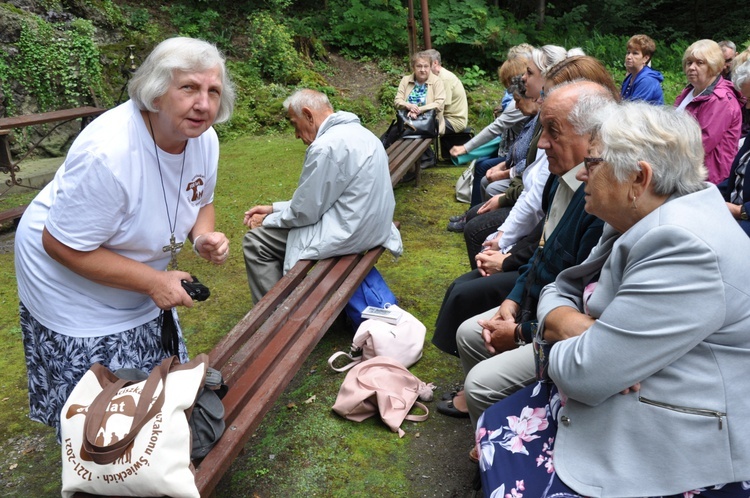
x: 172, y: 248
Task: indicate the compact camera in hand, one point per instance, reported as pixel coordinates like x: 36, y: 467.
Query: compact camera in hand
x: 196, y: 290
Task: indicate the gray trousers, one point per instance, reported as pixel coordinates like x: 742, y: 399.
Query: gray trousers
x: 264, y: 249
x: 490, y: 378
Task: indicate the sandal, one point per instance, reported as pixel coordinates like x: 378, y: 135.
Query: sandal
x: 474, y: 455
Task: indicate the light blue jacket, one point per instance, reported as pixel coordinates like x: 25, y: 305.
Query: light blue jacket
x: 672, y: 309
x: 344, y: 199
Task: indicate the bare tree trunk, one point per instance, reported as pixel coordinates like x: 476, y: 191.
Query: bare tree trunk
x: 541, y: 7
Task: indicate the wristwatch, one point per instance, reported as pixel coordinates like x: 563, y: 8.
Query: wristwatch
x: 743, y: 213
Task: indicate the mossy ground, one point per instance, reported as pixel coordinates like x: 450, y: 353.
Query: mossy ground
x: 301, y: 449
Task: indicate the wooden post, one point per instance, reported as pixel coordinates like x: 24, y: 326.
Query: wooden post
x: 411, y: 25
x: 426, y: 26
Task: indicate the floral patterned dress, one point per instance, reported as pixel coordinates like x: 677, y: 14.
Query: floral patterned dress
x: 516, y: 438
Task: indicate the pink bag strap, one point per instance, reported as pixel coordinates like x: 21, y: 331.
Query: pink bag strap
x: 106, y: 454
x: 354, y: 360
x: 418, y: 418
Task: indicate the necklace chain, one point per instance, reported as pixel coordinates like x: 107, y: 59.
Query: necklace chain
x: 173, y: 244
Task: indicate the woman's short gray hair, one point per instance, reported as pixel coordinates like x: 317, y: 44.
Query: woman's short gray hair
x: 741, y: 74
x: 547, y: 56
x: 307, y: 98
x: 670, y: 141
x: 152, y: 79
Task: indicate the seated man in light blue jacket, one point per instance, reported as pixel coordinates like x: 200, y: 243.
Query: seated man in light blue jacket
x: 343, y: 203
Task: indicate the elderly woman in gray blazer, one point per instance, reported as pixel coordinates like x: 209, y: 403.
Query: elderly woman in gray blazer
x: 646, y: 345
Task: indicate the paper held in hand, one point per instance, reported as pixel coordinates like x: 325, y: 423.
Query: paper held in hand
x: 388, y: 315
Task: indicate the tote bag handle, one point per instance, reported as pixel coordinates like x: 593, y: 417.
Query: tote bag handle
x: 106, y: 454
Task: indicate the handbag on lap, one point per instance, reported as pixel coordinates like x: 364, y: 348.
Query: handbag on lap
x: 425, y: 125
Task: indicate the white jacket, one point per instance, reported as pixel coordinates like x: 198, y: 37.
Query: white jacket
x: 344, y: 200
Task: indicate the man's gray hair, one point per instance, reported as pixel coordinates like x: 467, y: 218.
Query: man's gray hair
x: 305, y: 97
x: 669, y: 140
x: 741, y: 74
x: 152, y: 79
x: 728, y: 44
x: 591, y: 97
x: 434, y: 55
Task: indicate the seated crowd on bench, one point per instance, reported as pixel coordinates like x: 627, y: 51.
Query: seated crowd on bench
x: 620, y: 342
x: 608, y: 291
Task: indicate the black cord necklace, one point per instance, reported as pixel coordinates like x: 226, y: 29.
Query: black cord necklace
x: 173, y: 244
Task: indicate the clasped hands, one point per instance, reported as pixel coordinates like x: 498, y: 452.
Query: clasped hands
x: 254, y: 216
x: 498, y: 331
x: 413, y: 109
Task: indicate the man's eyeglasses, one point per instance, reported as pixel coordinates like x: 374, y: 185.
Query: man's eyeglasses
x: 590, y: 162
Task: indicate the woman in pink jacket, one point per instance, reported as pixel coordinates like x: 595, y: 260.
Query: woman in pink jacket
x: 715, y: 104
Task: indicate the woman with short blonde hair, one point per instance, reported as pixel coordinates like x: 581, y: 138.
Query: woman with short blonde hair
x: 714, y: 103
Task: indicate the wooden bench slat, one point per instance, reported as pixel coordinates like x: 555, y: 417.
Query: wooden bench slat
x: 403, y: 155
x: 49, y: 117
x: 13, y: 213
x: 256, y: 366
x: 246, y: 327
x: 245, y: 351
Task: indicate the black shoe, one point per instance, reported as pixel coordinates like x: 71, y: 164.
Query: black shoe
x: 458, y: 217
x: 457, y: 226
x: 447, y: 408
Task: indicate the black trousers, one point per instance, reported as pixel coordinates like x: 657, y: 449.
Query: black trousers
x: 469, y: 295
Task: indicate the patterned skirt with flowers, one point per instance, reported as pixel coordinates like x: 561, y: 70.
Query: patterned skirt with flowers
x: 516, y: 439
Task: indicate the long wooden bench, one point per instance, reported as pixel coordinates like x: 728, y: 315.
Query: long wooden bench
x: 262, y: 353
x: 9, y: 166
x: 403, y: 155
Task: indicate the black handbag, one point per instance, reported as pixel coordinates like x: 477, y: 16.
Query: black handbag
x: 425, y: 125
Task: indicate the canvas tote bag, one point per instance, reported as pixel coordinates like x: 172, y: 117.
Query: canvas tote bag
x: 126, y: 438
x: 403, y: 342
x: 382, y: 386
x: 464, y: 184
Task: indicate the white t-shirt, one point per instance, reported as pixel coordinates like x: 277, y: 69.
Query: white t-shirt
x: 108, y: 193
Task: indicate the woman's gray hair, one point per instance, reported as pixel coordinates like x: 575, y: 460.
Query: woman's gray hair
x: 547, y: 56
x: 152, y: 79
x: 670, y: 141
x: 306, y: 98
x: 741, y: 74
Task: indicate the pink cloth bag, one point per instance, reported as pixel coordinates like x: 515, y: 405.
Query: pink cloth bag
x: 382, y: 385
x: 403, y: 341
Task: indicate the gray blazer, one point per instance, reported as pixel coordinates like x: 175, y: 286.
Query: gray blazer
x: 673, y: 312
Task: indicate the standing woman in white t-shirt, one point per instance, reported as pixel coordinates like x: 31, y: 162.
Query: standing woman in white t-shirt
x: 92, y: 248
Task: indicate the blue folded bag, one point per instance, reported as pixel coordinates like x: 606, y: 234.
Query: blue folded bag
x: 486, y: 150
x: 373, y: 291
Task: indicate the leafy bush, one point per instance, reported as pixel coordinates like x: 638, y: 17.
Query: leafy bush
x: 56, y: 64
x: 473, y: 76
x: 271, y: 49
x: 203, y: 23
x: 471, y: 33
x: 366, y: 27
